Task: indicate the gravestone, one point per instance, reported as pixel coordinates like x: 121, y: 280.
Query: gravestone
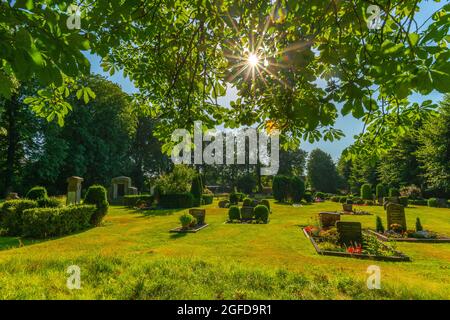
x: 121, y: 186
x: 328, y: 219
x: 133, y: 190
x: 349, y: 233
x: 247, y: 213
x: 347, y: 207
x: 12, y: 196
x: 74, y: 190
x: 387, y: 200
x: 395, y: 215
x: 198, y: 214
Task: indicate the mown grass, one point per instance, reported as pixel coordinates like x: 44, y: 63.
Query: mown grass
x: 133, y: 256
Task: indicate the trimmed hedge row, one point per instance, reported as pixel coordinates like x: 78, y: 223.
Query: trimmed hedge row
x: 208, y: 198
x: 12, y: 213
x: 51, y: 222
x: 97, y: 195
x: 176, y: 200
x: 133, y: 200
x: 260, y: 213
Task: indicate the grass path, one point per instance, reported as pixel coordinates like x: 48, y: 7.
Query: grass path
x: 134, y: 256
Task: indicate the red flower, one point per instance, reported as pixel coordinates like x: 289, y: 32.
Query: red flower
x: 309, y: 229
x: 357, y: 249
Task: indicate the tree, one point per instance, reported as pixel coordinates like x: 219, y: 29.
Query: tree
x: 322, y: 173
x: 297, y: 189
x: 292, y: 162
x: 434, y: 155
x: 281, y: 188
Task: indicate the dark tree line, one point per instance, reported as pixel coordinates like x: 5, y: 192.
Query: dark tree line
x: 99, y: 140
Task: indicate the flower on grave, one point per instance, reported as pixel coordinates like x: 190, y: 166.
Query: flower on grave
x: 396, y: 228
x: 357, y: 249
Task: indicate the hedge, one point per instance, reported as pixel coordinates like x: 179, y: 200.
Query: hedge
x: 432, y: 202
x: 418, y: 202
x: 366, y: 191
x: 97, y: 196
x: 11, y: 215
x: 49, y: 203
x: 36, y: 193
x: 133, y: 200
x: 234, y: 213
x: 261, y: 213
x: 176, y: 200
x: 208, y: 198
x: 51, y: 222
x: 266, y: 203
x: 297, y: 189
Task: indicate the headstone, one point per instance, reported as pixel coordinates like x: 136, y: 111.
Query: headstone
x: 328, y: 219
x: 74, y: 190
x: 349, y: 233
x: 347, y: 207
x: 247, y: 213
x: 12, y: 196
x: 198, y: 214
x: 133, y: 191
x: 387, y: 200
x: 396, y: 215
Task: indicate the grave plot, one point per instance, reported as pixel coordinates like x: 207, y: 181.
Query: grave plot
x: 248, y: 214
x: 346, y: 239
x: 347, y: 209
x: 397, y: 229
x: 192, y: 222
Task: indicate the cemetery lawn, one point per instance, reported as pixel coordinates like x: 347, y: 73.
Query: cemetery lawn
x: 133, y: 256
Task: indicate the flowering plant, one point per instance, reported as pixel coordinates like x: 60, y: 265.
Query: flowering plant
x: 357, y: 249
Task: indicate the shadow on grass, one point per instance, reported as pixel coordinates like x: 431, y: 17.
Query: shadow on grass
x: 157, y: 212
x: 7, y: 243
x: 178, y: 235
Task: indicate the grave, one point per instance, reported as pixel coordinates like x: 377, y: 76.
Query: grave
x: 349, y: 233
x: 328, y: 219
x: 395, y: 215
x: 12, y: 196
x: 247, y: 213
x: 347, y: 207
x: 74, y: 190
x: 121, y: 186
x: 199, y: 215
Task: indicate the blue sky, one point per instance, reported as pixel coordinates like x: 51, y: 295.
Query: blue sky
x: 349, y: 125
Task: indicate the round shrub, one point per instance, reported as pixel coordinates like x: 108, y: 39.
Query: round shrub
x: 334, y: 198
x: 393, y: 192
x: 308, y: 197
x: 266, y: 203
x: 234, y: 198
x: 261, y: 213
x: 320, y: 195
x: 297, y: 189
x: 432, y: 202
x: 96, y: 195
x: 36, y: 193
x: 186, y: 220
x: 247, y: 202
x: 234, y: 213
x: 366, y: 191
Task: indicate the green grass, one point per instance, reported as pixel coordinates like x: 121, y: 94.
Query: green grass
x: 133, y: 256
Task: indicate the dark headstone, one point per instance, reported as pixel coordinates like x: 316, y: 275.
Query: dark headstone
x: 328, y: 219
x: 395, y: 215
x: 347, y: 207
x: 387, y: 200
x: 198, y: 214
x: 349, y: 233
x: 247, y: 213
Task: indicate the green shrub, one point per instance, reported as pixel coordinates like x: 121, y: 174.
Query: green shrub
x: 280, y: 187
x: 49, y: 203
x: 308, y: 197
x: 197, y: 190
x: 224, y: 204
x: 12, y: 213
x: 234, y: 213
x: 380, y: 227
x: 366, y: 191
x: 247, y: 202
x: 381, y: 191
x: 393, y: 192
x: 335, y: 198
x: 297, y: 189
x: 359, y: 201
x: 246, y: 183
x: 403, y: 201
x: 51, y: 222
x: 261, y: 213
x: 266, y: 203
x: 186, y: 220
x: 343, y: 199
x: 133, y: 200
x: 418, y: 202
x: 208, y: 198
x: 36, y: 193
x: 418, y: 225
x: 433, y: 202
x: 320, y: 195
x: 234, y: 198
x: 349, y: 201
x: 97, y: 196
x: 176, y: 200
x: 369, y: 202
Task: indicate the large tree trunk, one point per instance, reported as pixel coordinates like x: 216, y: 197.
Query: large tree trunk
x: 13, y: 139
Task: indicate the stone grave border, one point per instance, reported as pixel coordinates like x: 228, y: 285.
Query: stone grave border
x: 190, y: 230
x: 400, y: 257
x: 384, y: 238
